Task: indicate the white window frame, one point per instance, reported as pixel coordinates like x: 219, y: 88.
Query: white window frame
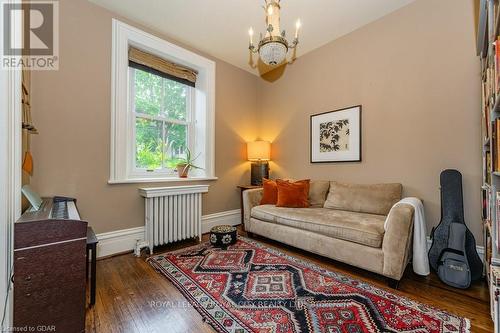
x: 122, y: 157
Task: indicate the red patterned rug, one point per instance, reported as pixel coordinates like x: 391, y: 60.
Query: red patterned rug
x: 252, y: 288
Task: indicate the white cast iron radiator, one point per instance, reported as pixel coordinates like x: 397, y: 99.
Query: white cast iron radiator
x: 171, y: 214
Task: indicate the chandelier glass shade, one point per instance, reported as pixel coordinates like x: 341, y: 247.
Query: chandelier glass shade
x: 272, y: 51
x: 273, y: 47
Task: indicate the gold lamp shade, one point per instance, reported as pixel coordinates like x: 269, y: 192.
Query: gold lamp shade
x: 259, y: 151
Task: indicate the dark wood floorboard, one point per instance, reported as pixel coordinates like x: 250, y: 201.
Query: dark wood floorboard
x: 133, y: 297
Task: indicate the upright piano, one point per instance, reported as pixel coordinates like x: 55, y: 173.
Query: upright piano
x: 49, y: 268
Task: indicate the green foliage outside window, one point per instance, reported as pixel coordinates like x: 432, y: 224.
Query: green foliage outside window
x: 160, y: 143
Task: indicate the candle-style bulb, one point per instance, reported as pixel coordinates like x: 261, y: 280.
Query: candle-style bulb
x: 250, y: 33
x: 270, y: 9
x: 298, y: 24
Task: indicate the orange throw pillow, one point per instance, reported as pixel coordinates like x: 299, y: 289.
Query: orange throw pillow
x: 270, y: 192
x: 293, y: 194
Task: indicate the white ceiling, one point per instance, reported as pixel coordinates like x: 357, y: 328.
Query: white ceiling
x: 220, y: 27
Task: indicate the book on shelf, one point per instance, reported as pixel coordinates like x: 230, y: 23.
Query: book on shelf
x: 483, y: 97
x: 495, y: 272
x: 496, y: 13
x: 487, y: 166
x: 487, y: 84
x: 488, y: 249
x: 493, y: 151
x: 484, y: 108
x: 497, y: 65
x: 495, y: 145
x: 497, y: 219
x: 487, y: 122
x: 485, y: 204
x: 488, y: 207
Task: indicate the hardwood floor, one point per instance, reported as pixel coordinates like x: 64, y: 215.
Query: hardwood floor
x: 132, y: 297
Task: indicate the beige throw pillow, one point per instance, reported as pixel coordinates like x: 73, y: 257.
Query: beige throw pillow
x: 372, y: 199
x: 318, y: 189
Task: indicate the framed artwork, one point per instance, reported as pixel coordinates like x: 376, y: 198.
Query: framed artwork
x: 336, y: 136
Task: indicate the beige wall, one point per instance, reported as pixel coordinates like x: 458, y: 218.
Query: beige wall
x: 71, y: 109
x: 416, y: 74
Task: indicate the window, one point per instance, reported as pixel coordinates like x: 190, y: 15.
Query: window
x: 163, y: 102
x: 163, y: 111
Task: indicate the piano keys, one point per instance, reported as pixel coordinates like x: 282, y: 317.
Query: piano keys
x: 65, y: 210
x: 49, y: 268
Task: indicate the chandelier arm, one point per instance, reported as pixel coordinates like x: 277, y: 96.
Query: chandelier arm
x: 294, y: 43
x: 253, y: 49
x: 251, y: 61
x: 293, y: 58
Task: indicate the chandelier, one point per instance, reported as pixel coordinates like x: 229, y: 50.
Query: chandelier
x: 273, y: 47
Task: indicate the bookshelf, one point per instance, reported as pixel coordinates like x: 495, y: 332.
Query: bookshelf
x: 488, y: 49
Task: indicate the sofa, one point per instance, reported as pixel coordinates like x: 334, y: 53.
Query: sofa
x: 345, y: 222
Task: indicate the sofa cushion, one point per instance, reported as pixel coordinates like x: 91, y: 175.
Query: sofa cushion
x: 370, y: 199
x: 366, y: 229
x: 318, y: 189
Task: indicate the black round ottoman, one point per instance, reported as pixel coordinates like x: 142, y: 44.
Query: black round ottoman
x: 223, y: 235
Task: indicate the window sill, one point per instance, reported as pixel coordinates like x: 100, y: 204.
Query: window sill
x: 159, y: 180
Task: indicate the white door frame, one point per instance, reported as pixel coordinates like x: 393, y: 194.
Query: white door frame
x: 10, y: 172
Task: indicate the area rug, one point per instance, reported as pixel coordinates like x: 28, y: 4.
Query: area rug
x: 250, y: 287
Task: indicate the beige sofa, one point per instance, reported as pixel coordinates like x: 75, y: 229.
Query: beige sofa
x: 345, y: 222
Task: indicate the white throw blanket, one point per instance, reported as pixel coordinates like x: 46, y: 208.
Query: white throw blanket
x: 420, y: 259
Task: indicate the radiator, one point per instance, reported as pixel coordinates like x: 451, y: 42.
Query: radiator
x: 171, y: 214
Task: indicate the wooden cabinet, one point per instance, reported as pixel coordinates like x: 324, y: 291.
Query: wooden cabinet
x: 49, y: 275
x: 50, y: 287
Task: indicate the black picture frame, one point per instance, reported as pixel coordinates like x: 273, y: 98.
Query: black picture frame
x: 359, y: 158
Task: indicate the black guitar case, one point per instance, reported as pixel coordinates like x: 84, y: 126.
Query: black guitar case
x: 452, y: 211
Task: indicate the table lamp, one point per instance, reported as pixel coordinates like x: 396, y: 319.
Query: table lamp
x: 259, y: 153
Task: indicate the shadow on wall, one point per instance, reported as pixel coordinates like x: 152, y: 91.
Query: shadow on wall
x: 243, y: 134
x: 266, y: 72
x: 477, y: 5
x: 243, y: 131
x: 275, y: 170
x: 274, y: 74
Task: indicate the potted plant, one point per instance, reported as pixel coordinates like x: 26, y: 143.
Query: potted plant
x: 183, y: 165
